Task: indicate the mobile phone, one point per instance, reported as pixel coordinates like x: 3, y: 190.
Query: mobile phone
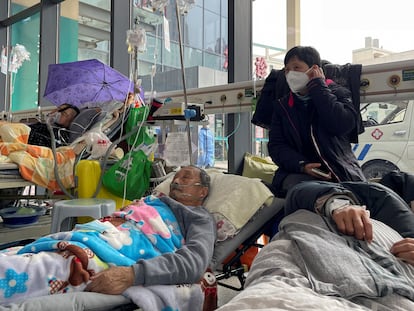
x: 320, y: 173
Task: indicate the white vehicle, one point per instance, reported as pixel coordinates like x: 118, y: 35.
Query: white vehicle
x: 388, y: 141
x: 387, y: 111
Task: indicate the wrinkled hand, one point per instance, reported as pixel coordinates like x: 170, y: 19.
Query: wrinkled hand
x: 113, y: 281
x: 355, y: 221
x: 308, y: 170
x: 404, y: 250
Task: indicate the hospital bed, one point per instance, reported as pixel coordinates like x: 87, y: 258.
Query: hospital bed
x: 285, y: 276
x: 242, y: 220
x: 110, y: 118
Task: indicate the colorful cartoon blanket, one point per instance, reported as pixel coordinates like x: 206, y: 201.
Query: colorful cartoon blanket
x: 36, y: 163
x: 63, y: 262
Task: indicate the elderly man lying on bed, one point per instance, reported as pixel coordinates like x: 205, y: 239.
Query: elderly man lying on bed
x: 153, y: 241
x: 351, y: 205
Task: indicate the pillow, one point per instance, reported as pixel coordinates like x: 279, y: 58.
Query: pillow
x: 257, y: 167
x: 232, y: 200
x: 84, y: 121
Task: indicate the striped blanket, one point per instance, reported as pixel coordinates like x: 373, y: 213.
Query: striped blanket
x: 36, y: 163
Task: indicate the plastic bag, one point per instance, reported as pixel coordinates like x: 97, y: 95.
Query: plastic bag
x: 132, y: 173
x: 97, y: 143
x: 136, y: 117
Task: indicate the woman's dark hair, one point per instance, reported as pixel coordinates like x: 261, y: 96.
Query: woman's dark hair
x: 307, y: 54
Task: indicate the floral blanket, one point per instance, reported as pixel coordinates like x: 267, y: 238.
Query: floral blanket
x: 36, y: 163
x: 63, y: 262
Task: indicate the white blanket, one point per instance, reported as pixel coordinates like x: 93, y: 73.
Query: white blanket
x: 187, y: 297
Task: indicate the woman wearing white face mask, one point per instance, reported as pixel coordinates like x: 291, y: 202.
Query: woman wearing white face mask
x: 309, y: 137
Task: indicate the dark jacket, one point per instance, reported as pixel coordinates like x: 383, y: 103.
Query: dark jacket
x: 384, y: 204
x: 402, y: 183
x: 331, y: 119
x: 275, y: 87
x: 40, y: 135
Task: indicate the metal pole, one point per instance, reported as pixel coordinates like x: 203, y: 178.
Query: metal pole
x: 183, y: 78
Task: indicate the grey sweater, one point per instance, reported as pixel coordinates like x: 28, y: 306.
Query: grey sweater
x: 188, y: 263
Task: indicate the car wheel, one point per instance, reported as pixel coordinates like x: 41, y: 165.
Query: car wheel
x: 375, y: 170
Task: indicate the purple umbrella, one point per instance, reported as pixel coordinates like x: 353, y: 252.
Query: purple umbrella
x: 85, y: 81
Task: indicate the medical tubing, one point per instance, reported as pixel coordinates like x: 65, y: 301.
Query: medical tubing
x: 108, y: 152
x: 112, y: 146
x: 233, y: 132
x: 56, y: 171
x: 140, y: 124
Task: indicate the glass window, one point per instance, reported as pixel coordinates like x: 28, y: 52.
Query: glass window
x: 213, y: 5
x: 193, y: 57
x: 20, y: 5
x: 170, y: 14
x: 23, y: 80
x: 212, y: 60
x: 193, y: 28
x: 212, y: 38
x: 383, y: 113
x: 198, y: 27
x: 205, y: 40
x: 85, y: 30
x: 224, y: 8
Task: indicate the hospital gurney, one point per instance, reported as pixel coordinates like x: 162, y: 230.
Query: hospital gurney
x: 259, y: 213
x: 109, y: 120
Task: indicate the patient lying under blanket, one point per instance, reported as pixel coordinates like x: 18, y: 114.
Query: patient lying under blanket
x: 145, y: 252
x: 63, y: 262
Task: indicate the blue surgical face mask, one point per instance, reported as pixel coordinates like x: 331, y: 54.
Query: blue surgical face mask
x: 297, y: 80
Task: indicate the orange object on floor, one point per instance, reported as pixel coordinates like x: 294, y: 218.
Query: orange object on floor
x: 247, y: 258
x: 265, y: 239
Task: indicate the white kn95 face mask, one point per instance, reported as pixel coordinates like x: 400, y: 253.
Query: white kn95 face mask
x: 297, y: 80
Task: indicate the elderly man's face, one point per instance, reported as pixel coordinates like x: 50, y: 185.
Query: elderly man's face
x: 186, y: 187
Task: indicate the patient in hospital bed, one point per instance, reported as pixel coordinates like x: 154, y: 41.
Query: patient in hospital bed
x: 341, y: 246
x: 60, y: 118
x: 351, y: 205
x: 154, y: 241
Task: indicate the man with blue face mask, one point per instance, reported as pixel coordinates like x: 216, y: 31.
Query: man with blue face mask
x: 309, y: 137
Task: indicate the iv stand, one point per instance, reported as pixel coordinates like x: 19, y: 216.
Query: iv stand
x: 183, y: 78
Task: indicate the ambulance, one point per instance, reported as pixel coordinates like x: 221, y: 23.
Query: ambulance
x: 387, y: 110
